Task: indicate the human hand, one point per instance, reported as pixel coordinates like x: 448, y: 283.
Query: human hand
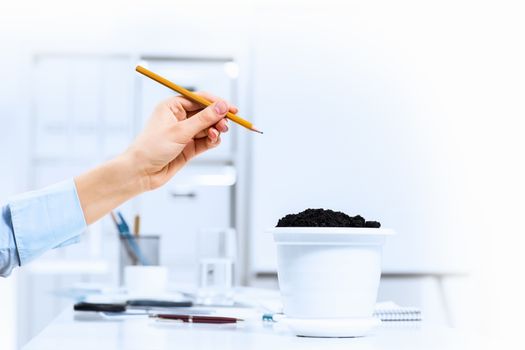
x: 178, y: 130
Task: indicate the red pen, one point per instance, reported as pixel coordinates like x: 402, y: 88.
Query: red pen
x: 197, y: 318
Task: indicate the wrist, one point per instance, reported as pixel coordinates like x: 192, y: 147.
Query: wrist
x: 104, y: 188
x: 133, y: 177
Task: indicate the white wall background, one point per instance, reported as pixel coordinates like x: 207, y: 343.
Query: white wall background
x: 362, y: 106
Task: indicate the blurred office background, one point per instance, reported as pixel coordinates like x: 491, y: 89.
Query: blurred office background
x: 372, y: 108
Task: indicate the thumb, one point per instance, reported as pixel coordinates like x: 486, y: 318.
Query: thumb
x: 205, y: 118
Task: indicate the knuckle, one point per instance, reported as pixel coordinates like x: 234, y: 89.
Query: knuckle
x: 207, y: 116
x: 173, y: 103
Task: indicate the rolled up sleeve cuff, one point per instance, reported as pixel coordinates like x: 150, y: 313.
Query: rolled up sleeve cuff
x: 46, y: 219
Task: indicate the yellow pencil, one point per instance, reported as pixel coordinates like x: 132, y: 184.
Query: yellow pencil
x: 194, y: 97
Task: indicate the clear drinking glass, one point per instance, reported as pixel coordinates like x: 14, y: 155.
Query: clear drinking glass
x: 217, y: 250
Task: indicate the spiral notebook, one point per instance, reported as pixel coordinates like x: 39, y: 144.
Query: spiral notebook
x: 386, y: 311
x: 390, y: 311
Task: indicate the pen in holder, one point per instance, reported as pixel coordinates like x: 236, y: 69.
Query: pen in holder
x: 147, y: 245
x: 135, y: 249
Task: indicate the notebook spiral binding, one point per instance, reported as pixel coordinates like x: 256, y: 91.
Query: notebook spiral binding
x: 397, y: 313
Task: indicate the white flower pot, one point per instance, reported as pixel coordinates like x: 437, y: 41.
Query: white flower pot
x: 329, y: 273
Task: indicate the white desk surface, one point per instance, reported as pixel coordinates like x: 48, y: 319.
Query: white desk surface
x: 142, y: 333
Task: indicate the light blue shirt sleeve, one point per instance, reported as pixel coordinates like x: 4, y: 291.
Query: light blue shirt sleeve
x: 37, y: 221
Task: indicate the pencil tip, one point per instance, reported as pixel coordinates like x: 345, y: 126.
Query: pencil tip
x: 259, y: 131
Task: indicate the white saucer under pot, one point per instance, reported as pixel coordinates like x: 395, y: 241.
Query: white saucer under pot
x: 329, y: 278
x: 330, y: 328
